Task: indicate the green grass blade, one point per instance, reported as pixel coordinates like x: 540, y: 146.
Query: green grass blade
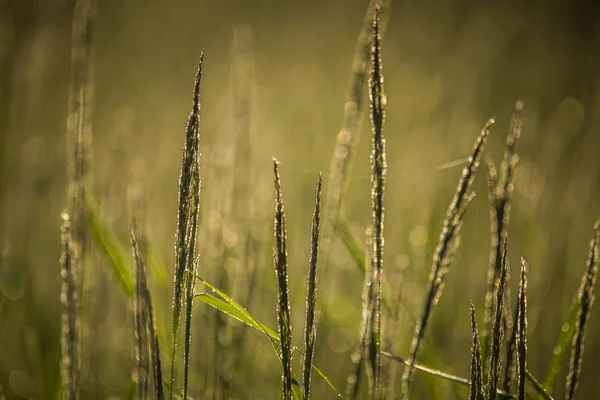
x: 352, y: 243
x: 564, y: 340
x: 234, y: 312
x: 233, y: 309
x: 112, y: 249
x: 537, y: 386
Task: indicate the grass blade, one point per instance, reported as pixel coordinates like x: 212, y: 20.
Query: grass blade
x: 521, y: 327
x: 497, y: 331
x: 377, y: 102
x: 450, y: 378
x: 235, y: 310
x: 310, y: 329
x: 444, y: 253
x: 560, y: 349
x: 476, y: 388
x: 586, y: 301
x: 352, y: 244
x: 111, y: 247
x: 283, y: 303
x: 537, y: 386
x: 187, y: 214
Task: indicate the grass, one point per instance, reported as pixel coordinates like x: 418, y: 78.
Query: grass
x: 500, y: 354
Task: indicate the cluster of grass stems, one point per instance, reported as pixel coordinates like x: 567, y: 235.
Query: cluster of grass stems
x: 505, y: 371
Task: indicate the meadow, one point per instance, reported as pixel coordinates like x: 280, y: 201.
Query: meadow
x: 290, y: 224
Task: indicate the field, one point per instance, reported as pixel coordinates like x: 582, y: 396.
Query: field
x: 292, y: 208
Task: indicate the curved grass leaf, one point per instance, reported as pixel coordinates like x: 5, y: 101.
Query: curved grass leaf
x: 237, y: 311
x: 537, y: 386
x: 564, y: 340
x: 111, y: 247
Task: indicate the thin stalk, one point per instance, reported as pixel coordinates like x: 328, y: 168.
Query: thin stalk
x: 522, y: 329
x: 189, y: 302
x: 511, y: 348
x: 586, y: 301
x: 187, y: 215
x: 495, y: 361
x: 139, y: 249
x: 476, y: 388
x: 440, y: 374
x: 310, y: 329
x: 445, y: 250
x: 139, y: 313
x: 69, y: 365
x: 377, y: 102
x: 537, y: 386
x: 283, y: 303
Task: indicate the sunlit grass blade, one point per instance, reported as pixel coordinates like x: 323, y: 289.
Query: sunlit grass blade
x: 537, y: 386
x: 283, y: 303
x: 476, y: 388
x: 445, y: 250
x: 310, y: 329
x: 235, y: 310
x: 187, y: 214
x: 586, y: 301
x: 495, y: 361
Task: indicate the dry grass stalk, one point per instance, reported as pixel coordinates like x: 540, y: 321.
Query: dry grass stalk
x: 377, y: 101
x: 476, y: 388
x: 283, y: 303
x: 445, y: 250
x: 521, y: 327
x: 495, y: 361
x: 310, y: 329
x: 69, y: 365
x: 187, y: 214
x: 586, y: 300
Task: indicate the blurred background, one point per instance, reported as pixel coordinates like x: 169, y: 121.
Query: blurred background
x: 448, y: 66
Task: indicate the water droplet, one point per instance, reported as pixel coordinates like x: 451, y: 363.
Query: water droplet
x: 369, y: 282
